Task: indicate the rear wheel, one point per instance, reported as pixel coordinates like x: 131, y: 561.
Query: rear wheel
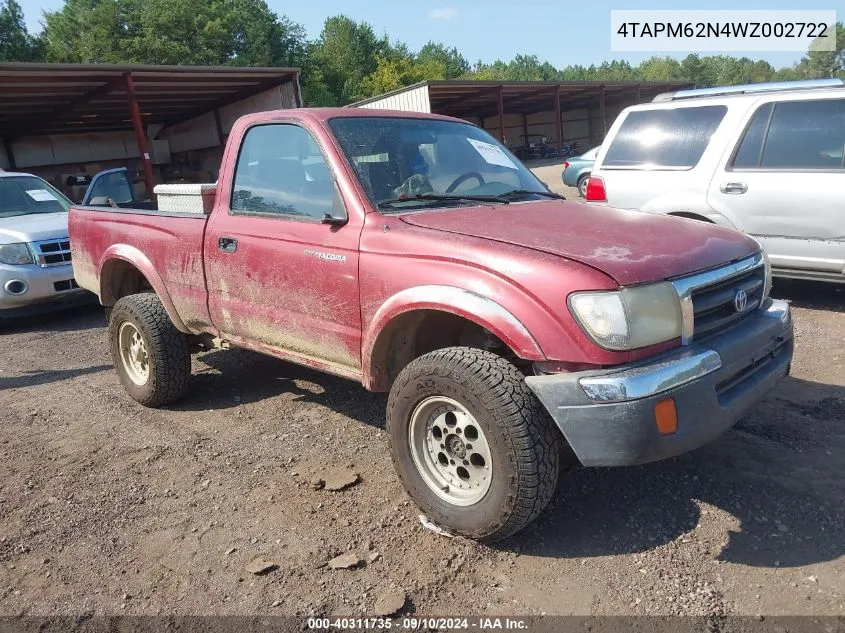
x: 471, y: 443
x: 150, y: 355
x: 582, y: 185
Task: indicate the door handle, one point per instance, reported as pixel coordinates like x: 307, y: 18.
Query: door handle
x: 733, y: 187
x: 227, y: 244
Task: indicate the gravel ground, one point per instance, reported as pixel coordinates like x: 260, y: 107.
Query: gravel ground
x: 110, y: 508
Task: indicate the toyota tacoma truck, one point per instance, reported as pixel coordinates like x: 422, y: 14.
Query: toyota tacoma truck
x: 415, y: 254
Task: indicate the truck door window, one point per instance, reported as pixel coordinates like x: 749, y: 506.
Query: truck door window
x: 808, y: 135
x: 281, y: 171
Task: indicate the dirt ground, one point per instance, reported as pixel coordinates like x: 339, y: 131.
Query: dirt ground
x: 549, y: 171
x: 110, y: 508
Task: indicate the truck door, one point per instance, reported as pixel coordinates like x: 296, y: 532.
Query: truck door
x: 784, y: 183
x: 282, y: 255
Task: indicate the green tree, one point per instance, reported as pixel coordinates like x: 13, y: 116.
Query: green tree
x: 818, y: 64
x: 391, y: 73
x: 660, y: 69
x: 16, y: 43
x: 435, y: 54
x: 615, y: 70
x: 346, y: 52
x: 221, y: 32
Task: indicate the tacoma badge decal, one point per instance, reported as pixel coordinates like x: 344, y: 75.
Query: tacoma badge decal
x: 328, y: 257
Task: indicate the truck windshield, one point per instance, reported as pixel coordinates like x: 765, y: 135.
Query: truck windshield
x: 405, y: 164
x: 24, y: 195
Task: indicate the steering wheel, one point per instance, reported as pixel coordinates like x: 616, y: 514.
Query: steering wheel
x: 464, y: 177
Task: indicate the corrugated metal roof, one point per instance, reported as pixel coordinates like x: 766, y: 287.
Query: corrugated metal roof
x: 59, y: 98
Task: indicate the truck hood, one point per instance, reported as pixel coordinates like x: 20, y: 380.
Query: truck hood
x: 33, y: 227
x: 630, y: 246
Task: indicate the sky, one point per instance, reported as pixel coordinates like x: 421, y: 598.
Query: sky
x: 562, y: 32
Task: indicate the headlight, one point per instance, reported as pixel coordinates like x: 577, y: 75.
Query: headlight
x: 15, y: 254
x: 629, y: 318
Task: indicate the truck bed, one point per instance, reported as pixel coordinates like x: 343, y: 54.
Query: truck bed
x: 169, y: 245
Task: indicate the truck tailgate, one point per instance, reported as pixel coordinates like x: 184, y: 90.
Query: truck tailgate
x: 165, y: 247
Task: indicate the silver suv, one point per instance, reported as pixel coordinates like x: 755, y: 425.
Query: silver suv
x: 765, y: 159
x: 35, y: 267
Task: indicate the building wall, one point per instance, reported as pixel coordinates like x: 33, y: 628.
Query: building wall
x: 414, y: 100
x: 61, y: 149
x: 201, y: 132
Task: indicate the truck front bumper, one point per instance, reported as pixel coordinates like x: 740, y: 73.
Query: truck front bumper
x: 608, y: 416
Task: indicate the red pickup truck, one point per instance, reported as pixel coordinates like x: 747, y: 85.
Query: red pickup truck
x: 414, y: 253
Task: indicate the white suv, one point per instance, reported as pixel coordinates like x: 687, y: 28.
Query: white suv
x: 765, y: 159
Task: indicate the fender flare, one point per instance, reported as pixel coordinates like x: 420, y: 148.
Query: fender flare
x: 133, y: 256
x: 464, y: 303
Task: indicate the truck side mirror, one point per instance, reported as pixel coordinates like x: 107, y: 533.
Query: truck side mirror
x: 328, y: 218
x: 338, y: 216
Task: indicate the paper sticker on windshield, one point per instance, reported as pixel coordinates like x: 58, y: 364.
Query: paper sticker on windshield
x: 41, y: 195
x: 492, y: 154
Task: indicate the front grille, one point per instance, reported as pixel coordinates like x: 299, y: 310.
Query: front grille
x: 53, y: 252
x: 715, y: 306
x: 64, y: 286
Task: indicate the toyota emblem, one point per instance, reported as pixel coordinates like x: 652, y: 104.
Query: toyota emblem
x: 740, y: 300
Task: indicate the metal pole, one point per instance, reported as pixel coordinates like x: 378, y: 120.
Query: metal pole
x: 9, y: 154
x: 558, y: 119
x: 297, y: 89
x: 501, y: 114
x: 525, y: 125
x: 639, y: 93
x: 140, y: 137
x: 602, y: 114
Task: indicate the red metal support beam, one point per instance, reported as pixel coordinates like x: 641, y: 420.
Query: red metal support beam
x: 602, y: 114
x: 219, y: 125
x: 501, y: 105
x: 558, y: 119
x: 297, y: 91
x: 9, y: 154
x: 140, y: 136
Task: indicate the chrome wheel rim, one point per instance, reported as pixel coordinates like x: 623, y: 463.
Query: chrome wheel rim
x: 133, y: 353
x: 450, y: 451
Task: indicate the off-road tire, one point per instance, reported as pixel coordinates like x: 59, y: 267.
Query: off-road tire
x: 169, y: 358
x: 523, y: 440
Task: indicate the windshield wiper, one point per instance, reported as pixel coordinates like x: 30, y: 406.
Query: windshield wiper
x: 513, y: 193
x: 440, y: 197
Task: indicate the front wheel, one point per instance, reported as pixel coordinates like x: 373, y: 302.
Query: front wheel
x: 150, y: 355
x: 471, y: 443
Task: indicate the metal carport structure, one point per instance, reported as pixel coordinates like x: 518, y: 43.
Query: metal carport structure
x: 479, y: 100
x: 47, y: 99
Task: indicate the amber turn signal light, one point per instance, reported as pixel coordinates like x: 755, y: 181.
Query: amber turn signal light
x: 666, y: 417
